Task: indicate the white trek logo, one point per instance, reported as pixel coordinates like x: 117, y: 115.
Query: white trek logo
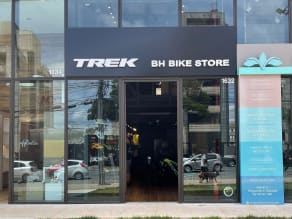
x: 106, y: 63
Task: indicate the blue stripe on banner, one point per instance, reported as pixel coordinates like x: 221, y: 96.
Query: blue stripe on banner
x: 266, y: 71
x: 262, y: 190
x: 260, y: 124
x: 261, y: 158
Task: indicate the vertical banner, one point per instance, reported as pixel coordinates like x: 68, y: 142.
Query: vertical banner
x: 260, y: 131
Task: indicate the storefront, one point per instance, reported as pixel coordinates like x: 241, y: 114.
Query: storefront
x: 105, y: 103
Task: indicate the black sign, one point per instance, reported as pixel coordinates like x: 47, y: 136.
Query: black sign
x: 151, y: 52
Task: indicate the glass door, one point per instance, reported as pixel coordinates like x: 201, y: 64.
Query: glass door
x: 151, y: 141
x: 209, y: 140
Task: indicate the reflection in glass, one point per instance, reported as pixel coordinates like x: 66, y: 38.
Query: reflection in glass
x: 209, y: 140
x: 5, y: 38
x: 287, y: 140
x: 38, y: 141
x: 94, y: 13
x: 262, y: 21
x: 93, y: 141
x: 40, y: 38
x: 210, y: 12
x: 4, y: 133
x: 151, y: 13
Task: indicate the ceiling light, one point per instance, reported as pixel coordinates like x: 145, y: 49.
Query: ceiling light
x: 158, y: 91
x: 37, y: 76
x: 26, y: 84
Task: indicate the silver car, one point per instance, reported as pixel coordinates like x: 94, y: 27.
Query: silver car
x: 194, y: 163
x: 23, y: 169
x: 77, y: 169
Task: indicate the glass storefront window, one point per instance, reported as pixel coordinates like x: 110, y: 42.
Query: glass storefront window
x: 40, y: 38
x: 287, y: 136
x: 210, y: 12
x: 38, y: 161
x: 151, y: 13
x: 93, y: 141
x: 209, y: 140
x: 262, y: 21
x: 93, y: 13
x: 5, y: 38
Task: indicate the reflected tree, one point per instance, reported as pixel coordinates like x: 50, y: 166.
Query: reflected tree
x: 196, y: 101
x: 106, y: 103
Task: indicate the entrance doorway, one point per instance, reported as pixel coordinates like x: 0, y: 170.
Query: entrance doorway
x: 151, y: 116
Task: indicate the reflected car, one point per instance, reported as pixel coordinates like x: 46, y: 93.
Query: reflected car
x: 229, y: 160
x: 194, y: 163
x: 23, y: 169
x: 77, y: 169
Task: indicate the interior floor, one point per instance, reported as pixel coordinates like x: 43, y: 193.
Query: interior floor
x: 4, y: 195
x: 137, y: 191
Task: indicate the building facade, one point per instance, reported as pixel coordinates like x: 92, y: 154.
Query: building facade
x: 108, y: 101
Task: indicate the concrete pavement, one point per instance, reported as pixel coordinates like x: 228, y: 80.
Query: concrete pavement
x: 172, y: 209
x: 142, y: 209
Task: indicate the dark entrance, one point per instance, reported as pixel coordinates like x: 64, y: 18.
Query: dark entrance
x: 151, y: 115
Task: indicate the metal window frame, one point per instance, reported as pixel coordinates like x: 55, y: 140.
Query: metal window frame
x: 12, y: 99
x: 290, y: 20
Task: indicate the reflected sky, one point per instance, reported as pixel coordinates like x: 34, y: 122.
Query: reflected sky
x: 259, y: 21
x: 5, y: 11
x: 151, y: 13
x: 45, y: 19
x: 140, y: 13
x: 53, y: 52
x: 41, y: 16
x: 231, y: 102
x: 80, y: 93
x: 99, y: 13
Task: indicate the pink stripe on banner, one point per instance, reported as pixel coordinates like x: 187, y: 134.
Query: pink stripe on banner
x: 260, y: 91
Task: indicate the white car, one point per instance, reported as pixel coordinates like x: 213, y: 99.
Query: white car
x: 23, y: 169
x: 77, y: 169
x: 194, y: 163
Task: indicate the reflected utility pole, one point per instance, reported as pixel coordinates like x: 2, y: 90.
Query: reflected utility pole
x: 101, y: 92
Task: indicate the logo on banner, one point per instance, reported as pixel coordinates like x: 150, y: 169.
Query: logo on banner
x: 106, y: 63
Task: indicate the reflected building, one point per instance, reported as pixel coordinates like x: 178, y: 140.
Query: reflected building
x: 213, y: 17
x: 5, y: 48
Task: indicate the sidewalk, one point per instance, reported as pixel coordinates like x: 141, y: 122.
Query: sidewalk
x: 171, y: 209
